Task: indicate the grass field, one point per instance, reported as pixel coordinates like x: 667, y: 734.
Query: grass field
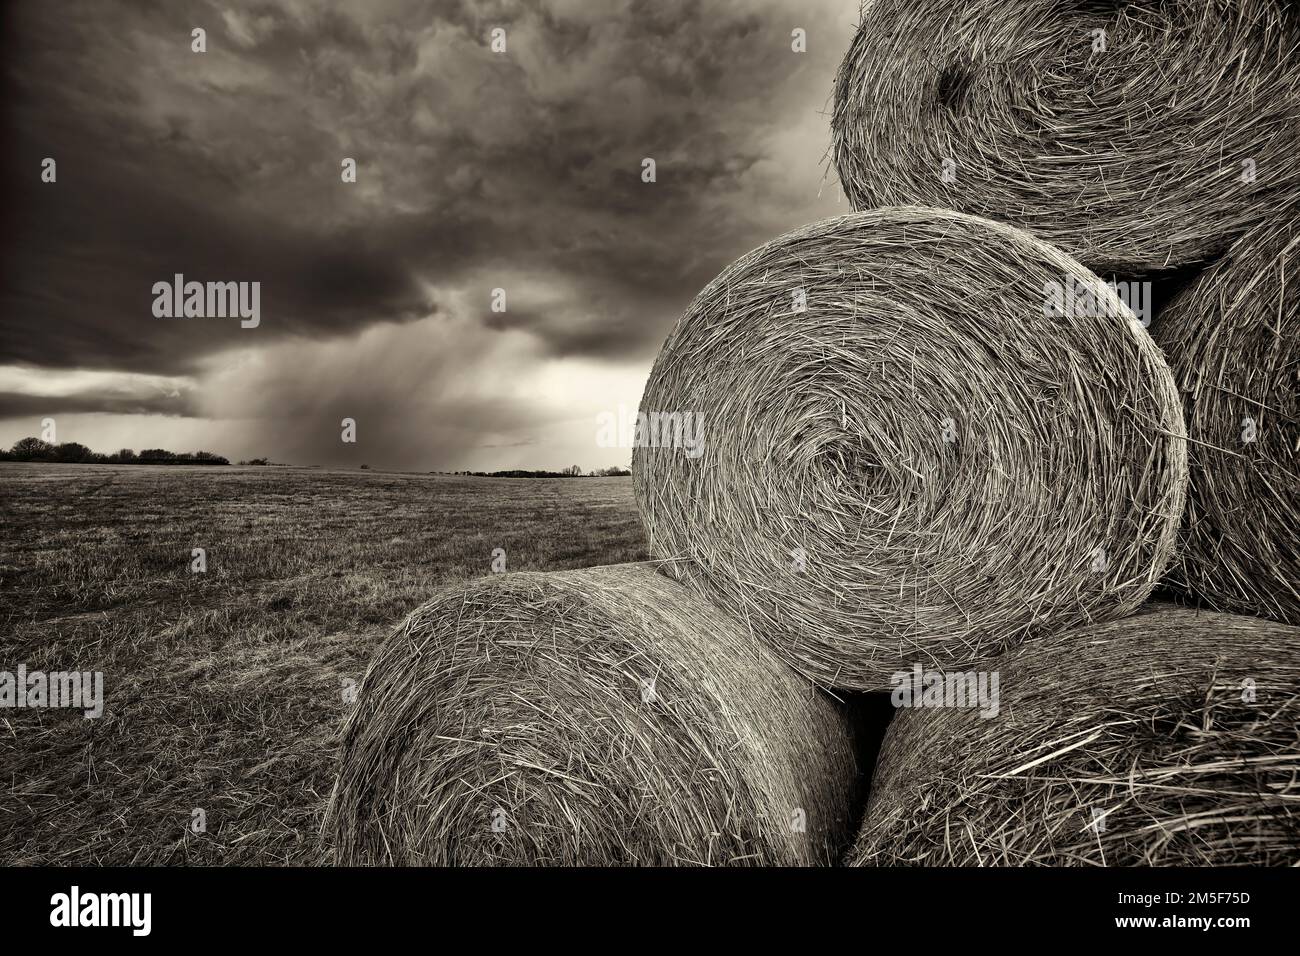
x: 225, y: 690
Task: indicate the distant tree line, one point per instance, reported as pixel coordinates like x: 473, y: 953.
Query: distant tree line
x: 33, y: 449
x: 573, y: 471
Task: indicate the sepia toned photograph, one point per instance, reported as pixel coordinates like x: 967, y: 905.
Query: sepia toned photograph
x: 649, y: 435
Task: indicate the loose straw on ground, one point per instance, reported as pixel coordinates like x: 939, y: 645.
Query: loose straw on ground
x: 1233, y: 341
x: 1168, y: 738
x: 594, y: 717
x: 902, y: 456
x: 1135, y: 137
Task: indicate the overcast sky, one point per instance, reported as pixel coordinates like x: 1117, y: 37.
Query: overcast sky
x: 475, y: 170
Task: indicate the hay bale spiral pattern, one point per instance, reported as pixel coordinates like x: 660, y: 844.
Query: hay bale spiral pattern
x: 596, y: 717
x: 1135, y: 157
x: 1169, y: 738
x: 1233, y: 341
x: 921, y: 465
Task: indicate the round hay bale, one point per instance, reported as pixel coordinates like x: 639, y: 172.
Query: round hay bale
x: 1150, y: 144
x: 901, y: 456
x: 592, y: 717
x: 1169, y: 738
x: 1233, y: 341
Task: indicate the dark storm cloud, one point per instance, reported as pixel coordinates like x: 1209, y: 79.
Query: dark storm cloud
x: 34, y: 407
x: 142, y: 194
x: 475, y: 170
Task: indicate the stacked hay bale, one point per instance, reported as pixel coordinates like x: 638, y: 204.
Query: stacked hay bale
x: 1138, y: 139
x: 913, y: 451
x: 598, y: 717
x: 1169, y: 738
x: 1135, y: 137
x: 925, y: 439
x: 1233, y: 339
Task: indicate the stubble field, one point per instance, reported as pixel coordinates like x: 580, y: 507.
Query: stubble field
x: 225, y: 690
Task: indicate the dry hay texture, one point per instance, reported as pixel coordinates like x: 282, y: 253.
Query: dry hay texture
x: 1130, y: 159
x: 527, y: 699
x: 829, y: 512
x: 1144, y: 725
x: 1233, y: 341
